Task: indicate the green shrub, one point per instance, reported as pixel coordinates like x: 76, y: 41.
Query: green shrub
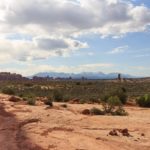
x: 119, y: 112
x: 49, y: 102
x: 94, y: 100
x: 25, y: 98
x: 96, y: 111
x: 20, y: 95
x: 8, y: 91
x: 57, y: 96
x: 144, y: 101
x: 82, y: 101
x: 31, y: 101
x: 66, y: 98
x: 111, y: 103
x: 121, y: 93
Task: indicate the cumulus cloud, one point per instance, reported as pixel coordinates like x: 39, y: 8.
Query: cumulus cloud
x: 39, y: 48
x: 53, y: 24
x: 52, y: 43
x: 104, y: 17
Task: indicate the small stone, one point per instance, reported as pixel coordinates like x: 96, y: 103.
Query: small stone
x: 113, y: 133
x: 142, y: 134
x: 125, y: 132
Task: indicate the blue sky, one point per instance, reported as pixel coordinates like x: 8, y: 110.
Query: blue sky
x: 75, y: 36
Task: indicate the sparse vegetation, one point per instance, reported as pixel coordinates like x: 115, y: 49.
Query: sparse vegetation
x: 8, y: 91
x: 119, y: 112
x: 31, y: 101
x: 96, y: 111
x: 120, y: 93
x: 112, y: 105
x: 144, y: 101
x: 84, y: 90
x: 57, y: 96
x: 49, y: 102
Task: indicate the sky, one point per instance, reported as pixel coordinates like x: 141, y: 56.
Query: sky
x: 75, y: 36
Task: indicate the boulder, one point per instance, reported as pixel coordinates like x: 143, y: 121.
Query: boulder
x: 14, y: 99
x: 86, y: 112
x: 125, y: 132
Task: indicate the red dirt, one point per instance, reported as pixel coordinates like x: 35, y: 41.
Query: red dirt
x: 24, y: 127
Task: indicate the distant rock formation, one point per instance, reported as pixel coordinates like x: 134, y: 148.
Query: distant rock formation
x: 7, y: 76
x: 119, y: 76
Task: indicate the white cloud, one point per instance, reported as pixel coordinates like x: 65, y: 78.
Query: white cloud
x: 118, y: 50
x: 30, y: 69
x: 39, y: 48
x: 53, y: 24
x: 107, y: 17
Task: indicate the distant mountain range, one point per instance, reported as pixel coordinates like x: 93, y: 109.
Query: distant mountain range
x: 88, y: 75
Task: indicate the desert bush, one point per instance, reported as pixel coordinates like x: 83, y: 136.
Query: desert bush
x: 49, y: 102
x: 119, y: 112
x: 96, y: 111
x: 121, y: 93
x: 109, y: 104
x: 29, y: 95
x: 31, y: 101
x: 20, y: 95
x: 8, y: 91
x: 94, y: 99
x: 57, y: 96
x: 25, y: 98
x: 112, y: 105
x: 82, y: 101
x: 66, y: 98
x: 144, y: 101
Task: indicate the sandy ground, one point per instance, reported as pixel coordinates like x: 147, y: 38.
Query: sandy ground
x: 24, y: 127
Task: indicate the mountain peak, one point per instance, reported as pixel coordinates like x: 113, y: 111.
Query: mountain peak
x: 88, y: 75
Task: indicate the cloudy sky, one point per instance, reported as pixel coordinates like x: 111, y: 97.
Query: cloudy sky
x: 75, y: 36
